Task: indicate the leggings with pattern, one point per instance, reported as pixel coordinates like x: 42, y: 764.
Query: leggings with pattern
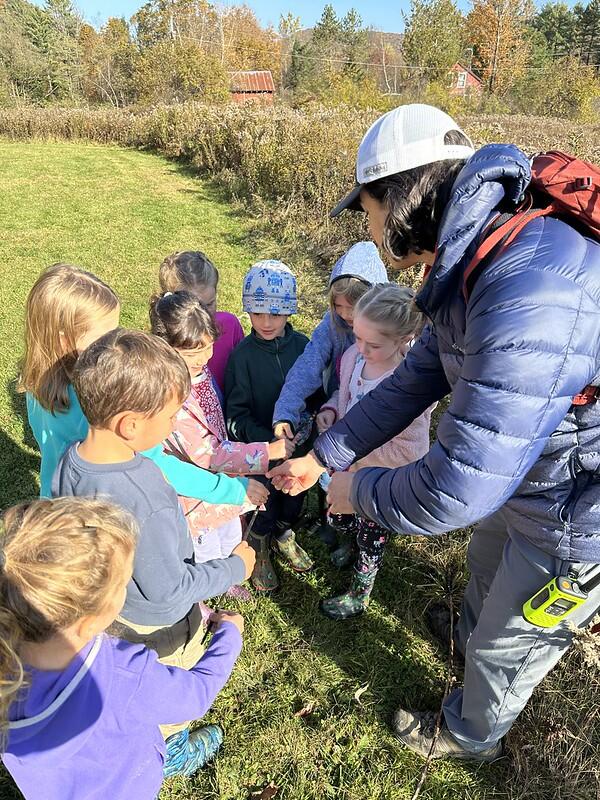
x: 371, y: 539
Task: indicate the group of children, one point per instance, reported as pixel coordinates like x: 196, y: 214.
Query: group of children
x: 155, y: 446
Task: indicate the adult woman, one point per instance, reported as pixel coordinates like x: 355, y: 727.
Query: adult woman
x: 512, y: 449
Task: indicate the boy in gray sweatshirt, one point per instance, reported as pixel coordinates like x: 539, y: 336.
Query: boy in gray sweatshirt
x: 130, y: 386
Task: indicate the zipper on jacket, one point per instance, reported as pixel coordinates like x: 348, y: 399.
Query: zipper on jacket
x: 279, y: 360
x: 581, y: 479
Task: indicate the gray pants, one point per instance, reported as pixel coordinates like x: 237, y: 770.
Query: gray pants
x: 505, y: 656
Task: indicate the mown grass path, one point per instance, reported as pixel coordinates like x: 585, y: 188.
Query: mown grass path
x: 307, y: 709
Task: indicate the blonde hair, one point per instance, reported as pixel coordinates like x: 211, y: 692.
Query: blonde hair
x: 392, y: 309
x: 350, y: 288
x: 61, y: 307
x: 190, y: 269
x: 128, y: 371
x: 57, y: 565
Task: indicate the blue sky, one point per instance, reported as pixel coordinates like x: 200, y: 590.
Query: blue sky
x: 379, y: 14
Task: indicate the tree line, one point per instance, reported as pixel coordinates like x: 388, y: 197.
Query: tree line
x: 538, y: 61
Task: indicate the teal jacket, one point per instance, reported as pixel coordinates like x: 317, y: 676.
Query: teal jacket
x: 54, y: 433
x: 254, y: 377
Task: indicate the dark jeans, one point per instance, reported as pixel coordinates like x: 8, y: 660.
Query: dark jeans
x: 282, y: 511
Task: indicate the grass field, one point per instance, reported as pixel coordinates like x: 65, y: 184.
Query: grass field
x: 307, y: 709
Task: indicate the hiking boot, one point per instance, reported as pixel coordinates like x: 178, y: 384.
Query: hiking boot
x: 354, y: 601
x: 188, y: 752
x: 290, y: 550
x: 437, y: 620
x: 264, y: 578
x: 415, y: 729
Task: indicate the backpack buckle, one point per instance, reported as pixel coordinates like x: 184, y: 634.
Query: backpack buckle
x: 586, y: 182
x: 588, y: 396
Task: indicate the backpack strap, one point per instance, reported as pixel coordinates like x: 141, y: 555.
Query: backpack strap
x: 497, y: 236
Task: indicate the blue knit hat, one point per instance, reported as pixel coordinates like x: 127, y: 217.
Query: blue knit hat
x: 269, y: 288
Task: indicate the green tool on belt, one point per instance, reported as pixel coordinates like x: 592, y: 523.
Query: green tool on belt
x: 558, y: 598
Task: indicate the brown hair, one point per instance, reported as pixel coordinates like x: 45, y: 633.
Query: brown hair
x: 392, y: 309
x: 64, y: 301
x: 190, y: 269
x: 57, y: 565
x: 350, y: 288
x: 128, y: 371
x: 182, y: 320
x: 415, y: 201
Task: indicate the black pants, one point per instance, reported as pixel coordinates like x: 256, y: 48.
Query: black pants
x: 282, y: 511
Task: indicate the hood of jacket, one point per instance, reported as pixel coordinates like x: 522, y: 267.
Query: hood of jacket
x: 496, y: 174
x: 361, y: 261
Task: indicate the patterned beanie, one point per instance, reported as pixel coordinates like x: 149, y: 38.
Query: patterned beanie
x: 269, y: 288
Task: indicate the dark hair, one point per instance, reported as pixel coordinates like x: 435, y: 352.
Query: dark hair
x: 189, y: 269
x: 128, y: 371
x: 415, y: 201
x: 181, y: 320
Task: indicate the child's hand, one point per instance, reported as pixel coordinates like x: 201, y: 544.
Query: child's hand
x: 325, y: 420
x: 282, y: 448
x: 248, y: 556
x: 217, y: 618
x: 256, y: 493
x: 283, y: 429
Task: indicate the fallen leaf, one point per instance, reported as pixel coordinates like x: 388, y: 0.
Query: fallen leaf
x: 306, y: 710
x: 265, y: 794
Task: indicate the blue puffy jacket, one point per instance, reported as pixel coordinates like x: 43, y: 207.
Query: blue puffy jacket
x: 316, y: 367
x: 513, y: 358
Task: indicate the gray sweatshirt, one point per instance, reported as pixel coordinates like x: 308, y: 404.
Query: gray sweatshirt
x: 166, y: 581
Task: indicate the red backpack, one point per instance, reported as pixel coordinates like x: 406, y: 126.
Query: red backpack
x: 563, y: 186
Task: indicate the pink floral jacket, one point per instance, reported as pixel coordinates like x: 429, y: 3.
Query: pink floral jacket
x: 408, y: 446
x: 199, y: 436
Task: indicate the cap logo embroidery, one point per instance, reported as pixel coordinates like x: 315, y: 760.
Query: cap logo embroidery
x: 375, y: 169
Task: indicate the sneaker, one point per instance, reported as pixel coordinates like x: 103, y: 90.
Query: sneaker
x: 415, y: 729
x: 188, y: 752
x: 291, y: 551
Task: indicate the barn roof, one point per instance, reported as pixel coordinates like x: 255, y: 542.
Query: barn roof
x: 251, y: 81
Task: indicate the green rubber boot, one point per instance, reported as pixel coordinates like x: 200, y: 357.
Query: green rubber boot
x: 354, y: 601
x: 264, y: 578
x: 289, y: 549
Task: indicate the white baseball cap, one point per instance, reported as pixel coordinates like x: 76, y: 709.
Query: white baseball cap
x: 404, y: 138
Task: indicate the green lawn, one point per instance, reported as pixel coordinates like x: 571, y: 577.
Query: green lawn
x: 293, y: 713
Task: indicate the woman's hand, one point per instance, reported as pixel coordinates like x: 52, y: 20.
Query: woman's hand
x: 297, y: 475
x: 338, y: 493
x: 325, y: 419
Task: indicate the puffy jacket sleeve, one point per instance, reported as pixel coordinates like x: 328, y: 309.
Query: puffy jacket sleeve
x: 386, y: 411
x: 306, y: 375
x: 531, y: 344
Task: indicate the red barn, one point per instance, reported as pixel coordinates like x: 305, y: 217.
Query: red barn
x: 463, y: 81
x: 252, y: 86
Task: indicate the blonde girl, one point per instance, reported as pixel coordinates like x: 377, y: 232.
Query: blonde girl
x: 67, y: 309
x: 386, y: 320
x: 79, y: 711
x: 318, y: 367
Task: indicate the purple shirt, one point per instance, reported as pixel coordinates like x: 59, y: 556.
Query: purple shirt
x: 90, y: 731
x: 231, y: 335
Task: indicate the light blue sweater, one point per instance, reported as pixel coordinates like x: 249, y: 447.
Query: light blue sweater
x: 54, y: 433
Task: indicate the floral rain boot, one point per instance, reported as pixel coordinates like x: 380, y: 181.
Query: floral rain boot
x: 289, y: 549
x: 264, y: 578
x: 355, y: 600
